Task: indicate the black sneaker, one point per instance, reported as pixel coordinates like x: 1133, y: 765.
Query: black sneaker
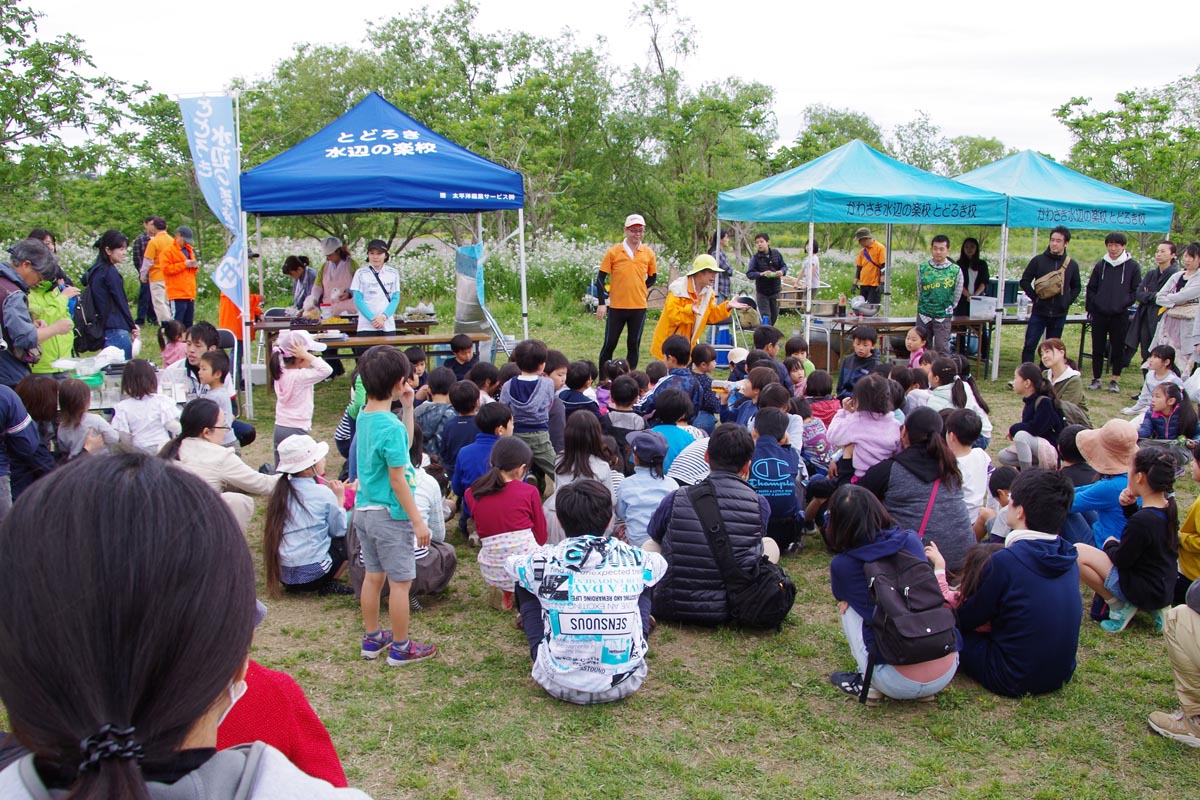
x: 335, y: 587
x: 1114, y: 387
x: 849, y: 682
x: 1094, y: 385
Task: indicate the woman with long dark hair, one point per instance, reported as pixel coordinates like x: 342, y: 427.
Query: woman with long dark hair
x: 585, y: 456
x: 922, y: 487
x: 108, y: 291
x: 155, y: 583
x: 199, y: 448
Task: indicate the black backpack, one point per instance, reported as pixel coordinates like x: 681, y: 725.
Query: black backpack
x: 911, y: 623
x: 89, y: 328
x: 761, y: 599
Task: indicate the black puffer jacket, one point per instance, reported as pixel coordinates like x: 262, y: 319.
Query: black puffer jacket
x: 692, y: 590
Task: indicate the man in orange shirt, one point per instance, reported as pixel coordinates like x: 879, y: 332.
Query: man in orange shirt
x: 160, y: 249
x: 631, y: 266
x: 180, y: 277
x: 868, y: 266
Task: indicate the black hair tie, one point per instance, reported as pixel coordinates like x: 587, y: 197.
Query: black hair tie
x: 110, y: 742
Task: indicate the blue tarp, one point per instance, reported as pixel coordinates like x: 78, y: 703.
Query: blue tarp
x: 856, y: 183
x: 1043, y: 194
x: 377, y: 158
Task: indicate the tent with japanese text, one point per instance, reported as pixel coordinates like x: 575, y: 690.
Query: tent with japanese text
x: 1042, y: 194
x: 857, y: 183
x: 377, y: 158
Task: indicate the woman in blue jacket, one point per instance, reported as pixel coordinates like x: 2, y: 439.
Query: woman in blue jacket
x: 1109, y: 451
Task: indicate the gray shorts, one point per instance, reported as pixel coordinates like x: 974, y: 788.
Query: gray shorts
x: 387, y: 544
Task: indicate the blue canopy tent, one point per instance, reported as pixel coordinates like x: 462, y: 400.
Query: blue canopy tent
x: 1043, y: 193
x: 856, y: 183
x: 377, y: 158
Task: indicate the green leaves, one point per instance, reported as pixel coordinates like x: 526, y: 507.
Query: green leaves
x: 1148, y: 143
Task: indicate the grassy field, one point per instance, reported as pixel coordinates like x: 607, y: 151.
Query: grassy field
x: 723, y: 714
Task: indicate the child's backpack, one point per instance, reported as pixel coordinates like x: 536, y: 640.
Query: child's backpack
x: 89, y: 328
x: 911, y: 623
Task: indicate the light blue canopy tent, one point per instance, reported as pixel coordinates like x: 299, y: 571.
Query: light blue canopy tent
x: 856, y: 183
x: 1042, y: 193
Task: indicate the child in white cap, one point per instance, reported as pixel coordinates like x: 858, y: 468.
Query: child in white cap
x: 304, y: 537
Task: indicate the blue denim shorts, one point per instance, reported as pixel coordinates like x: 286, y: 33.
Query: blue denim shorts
x: 1113, y: 584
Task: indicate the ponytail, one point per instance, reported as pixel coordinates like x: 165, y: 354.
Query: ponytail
x: 279, y: 510
x: 275, y: 365
x: 924, y: 429
x: 1158, y: 465
x: 507, y: 454
x: 958, y: 393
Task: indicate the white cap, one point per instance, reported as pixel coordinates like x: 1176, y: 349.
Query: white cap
x: 634, y: 219
x: 299, y: 452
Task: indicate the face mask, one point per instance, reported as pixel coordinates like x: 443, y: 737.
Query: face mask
x: 237, y: 690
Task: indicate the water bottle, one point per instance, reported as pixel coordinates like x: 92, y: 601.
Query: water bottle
x: 1022, y: 306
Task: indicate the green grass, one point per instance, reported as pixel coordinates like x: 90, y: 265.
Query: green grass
x: 723, y: 714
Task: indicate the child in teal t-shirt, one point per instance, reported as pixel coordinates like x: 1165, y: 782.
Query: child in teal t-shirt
x: 386, y: 518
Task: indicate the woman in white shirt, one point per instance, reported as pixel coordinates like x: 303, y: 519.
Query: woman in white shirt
x: 199, y: 448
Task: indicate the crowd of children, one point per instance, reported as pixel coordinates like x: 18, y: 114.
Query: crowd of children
x: 502, y: 449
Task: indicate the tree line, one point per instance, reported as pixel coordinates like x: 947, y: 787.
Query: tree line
x: 594, y: 140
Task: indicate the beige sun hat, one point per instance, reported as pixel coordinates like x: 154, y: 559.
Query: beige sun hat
x: 1109, y: 450
x: 299, y: 452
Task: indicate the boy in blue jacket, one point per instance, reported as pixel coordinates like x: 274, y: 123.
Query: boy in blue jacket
x: 493, y: 421
x: 1029, y: 593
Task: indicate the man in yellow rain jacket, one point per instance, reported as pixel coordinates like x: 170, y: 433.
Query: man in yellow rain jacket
x: 691, y: 305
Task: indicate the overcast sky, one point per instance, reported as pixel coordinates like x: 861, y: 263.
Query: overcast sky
x: 988, y: 69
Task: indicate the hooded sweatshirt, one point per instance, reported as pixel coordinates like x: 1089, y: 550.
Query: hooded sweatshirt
x: 530, y: 402
x: 904, y: 484
x: 1029, y: 592
x: 849, y: 583
x: 1112, y: 284
x: 1069, y: 387
x: 239, y: 773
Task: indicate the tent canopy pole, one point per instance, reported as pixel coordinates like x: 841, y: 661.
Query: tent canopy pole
x: 1000, y: 302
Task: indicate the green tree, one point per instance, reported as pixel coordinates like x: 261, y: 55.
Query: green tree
x: 972, y: 152
x: 825, y: 129
x: 920, y: 142
x: 1148, y: 143
x: 51, y: 86
x: 672, y: 148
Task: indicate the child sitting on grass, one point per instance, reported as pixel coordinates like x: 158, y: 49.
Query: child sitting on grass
x: 968, y: 577
x: 859, y: 363
x: 434, y: 414
x: 145, y: 419
x: 214, y: 368
x: 584, y: 603
x: 818, y: 388
x: 508, y: 516
x: 1138, y: 570
x: 304, y: 535
x: 1160, y: 368
x: 640, y: 493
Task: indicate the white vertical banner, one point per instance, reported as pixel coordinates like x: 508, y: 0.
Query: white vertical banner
x: 212, y: 138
